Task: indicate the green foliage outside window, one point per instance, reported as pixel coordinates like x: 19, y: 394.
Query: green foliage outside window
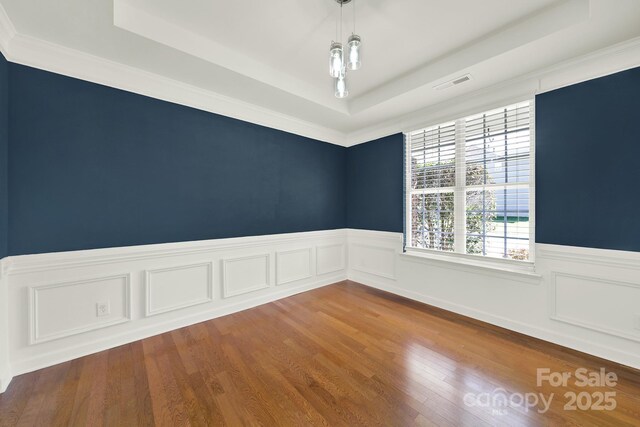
x: 433, y: 213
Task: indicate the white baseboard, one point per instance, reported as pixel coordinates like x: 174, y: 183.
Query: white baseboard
x: 219, y: 277
x: 62, y: 306
x: 589, y: 347
x: 582, y: 298
x: 5, y: 379
x: 65, y: 354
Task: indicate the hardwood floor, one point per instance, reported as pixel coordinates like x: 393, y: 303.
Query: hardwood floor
x: 344, y: 354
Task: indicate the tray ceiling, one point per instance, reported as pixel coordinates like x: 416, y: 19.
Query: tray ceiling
x: 274, y: 55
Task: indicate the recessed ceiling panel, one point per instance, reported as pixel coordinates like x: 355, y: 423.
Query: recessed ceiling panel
x: 285, y: 42
x: 274, y: 54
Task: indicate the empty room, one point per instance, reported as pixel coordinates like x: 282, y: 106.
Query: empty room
x: 319, y: 213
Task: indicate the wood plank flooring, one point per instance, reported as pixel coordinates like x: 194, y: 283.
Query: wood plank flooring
x: 342, y: 355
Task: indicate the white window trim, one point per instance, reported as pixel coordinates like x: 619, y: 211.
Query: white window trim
x: 522, y: 268
x: 526, y: 268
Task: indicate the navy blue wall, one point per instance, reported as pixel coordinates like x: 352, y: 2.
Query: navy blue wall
x: 587, y: 171
x: 91, y: 167
x: 4, y: 153
x: 375, y: 184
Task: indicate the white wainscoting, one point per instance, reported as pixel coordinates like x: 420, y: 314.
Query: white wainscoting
x: 293, y: 265
x: 245, y: 274
x: 585, y: 299
x: 48, y: 302
x: 372, y: 259
x: 606, y: 305
x: 330, y: 258
x: 59, y: 310
x: 172, y: 288
x: 5, y: 366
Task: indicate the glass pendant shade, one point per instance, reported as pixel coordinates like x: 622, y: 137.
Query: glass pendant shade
x: 341, y: 86
x: 336, y: 59
x: 353, y: 46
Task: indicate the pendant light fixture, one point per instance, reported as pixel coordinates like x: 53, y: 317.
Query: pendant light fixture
x: 354, y: 52
x: 338, y: 61
x: 341, y: 86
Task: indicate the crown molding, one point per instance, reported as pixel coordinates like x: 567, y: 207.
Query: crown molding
x: 7, y: 32
x: 44, y: 55
x: 612, y: 59
x: 454, y: 108
x: 548, y: 20
x: 48, y: 56
x: 136, y: 20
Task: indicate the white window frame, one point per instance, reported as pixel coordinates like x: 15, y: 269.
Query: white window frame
x: 459, y: 255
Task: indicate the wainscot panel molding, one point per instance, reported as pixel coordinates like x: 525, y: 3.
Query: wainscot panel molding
x: 576, y: 302
x: 245, y: 274
x: 147, y: 290
x: 28, y: 264
x: 373, y: 260
x: 59, y: 310
x: 604, y: 305
x: 567, y: 306
x: 374, y: 253
x: 178, y: 287
x: 606, y: 258
x: 330, y: 258
x: 293, y: 265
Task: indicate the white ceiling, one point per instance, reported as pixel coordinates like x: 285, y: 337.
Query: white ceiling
x: 273, y: 54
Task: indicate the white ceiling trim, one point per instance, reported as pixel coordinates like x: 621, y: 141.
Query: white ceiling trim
x: 7, y: 31
x: 44, y: 55
x: 461, y: 106
x: 142, y: 23
x: 610, y: 60
x: 534, y: 27
x: 37, y: 53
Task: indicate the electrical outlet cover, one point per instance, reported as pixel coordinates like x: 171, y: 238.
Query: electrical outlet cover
x: 102, y: 309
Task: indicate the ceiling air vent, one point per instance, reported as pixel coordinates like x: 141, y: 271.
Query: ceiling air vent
x: 456, y: 81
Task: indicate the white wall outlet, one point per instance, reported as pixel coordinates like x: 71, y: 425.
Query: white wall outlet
x: 103, y: 309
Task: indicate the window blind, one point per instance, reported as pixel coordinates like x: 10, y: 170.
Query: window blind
x: 469, y: 184
x: 433, y: 180
x: 498, y: 166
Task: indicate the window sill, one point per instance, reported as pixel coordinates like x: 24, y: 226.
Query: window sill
x: 523, y: 271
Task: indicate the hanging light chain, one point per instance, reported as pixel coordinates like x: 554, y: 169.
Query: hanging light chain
x: 340, y: 21
x: 354, y: 16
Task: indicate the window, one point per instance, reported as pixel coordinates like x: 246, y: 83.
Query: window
x: 468, y: 187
